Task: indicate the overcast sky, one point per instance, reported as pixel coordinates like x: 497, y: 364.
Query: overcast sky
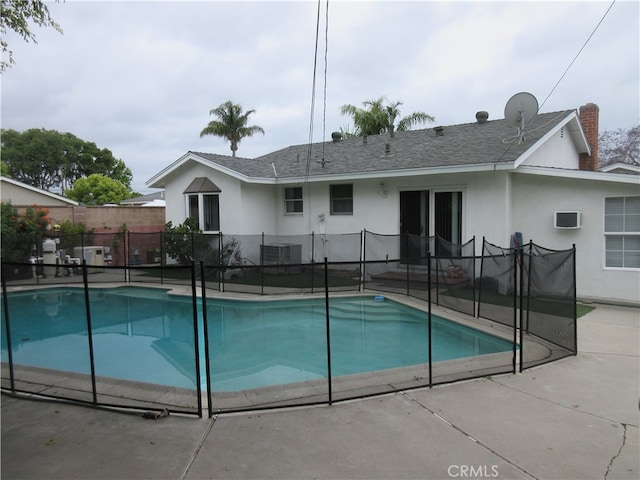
x: 139, y: 78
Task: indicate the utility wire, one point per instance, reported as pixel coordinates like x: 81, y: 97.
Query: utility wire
x: 578, y: 54
x: 324, y: 106
x: 313, y: 93
x: 564, y: 73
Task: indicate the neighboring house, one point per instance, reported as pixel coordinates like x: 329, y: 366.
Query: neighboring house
x: 155, y: 199
x: 23, y: 195
x: 459, y: 181
x: 622, y: 168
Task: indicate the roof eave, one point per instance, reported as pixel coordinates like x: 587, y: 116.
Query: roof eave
x: 580, y: 174
x: 158, y: 180
x: 443, y: 170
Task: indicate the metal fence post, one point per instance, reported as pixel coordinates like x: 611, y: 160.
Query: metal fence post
x: 407, y: 260
x: 429, y: 318
x: 313, y: 259
x: 516, y: 253
x: 575, y: 305
x: 220, y: 263
x: 194, y: 306
x: 326, y: 302
x: 89, y: 330
x: 361, y: 263
x: 262, y: 265
x: 5, y: 304
x: 363, y: 257
x: 205, y: 330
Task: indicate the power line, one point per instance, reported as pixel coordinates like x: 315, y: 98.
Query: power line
x: 313, y: 93
x: 564, y: 74
x: 577, y: 54
x: 324, y: 100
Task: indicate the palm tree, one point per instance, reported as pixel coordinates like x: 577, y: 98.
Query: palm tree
x: 377, y: 118
x: 231, y: 124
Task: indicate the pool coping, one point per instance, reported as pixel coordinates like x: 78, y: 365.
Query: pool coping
x: 116, y: 391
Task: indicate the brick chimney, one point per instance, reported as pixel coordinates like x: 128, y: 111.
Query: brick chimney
x: 589, y: 118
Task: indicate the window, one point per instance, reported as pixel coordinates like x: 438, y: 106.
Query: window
x: 293, y: 200
x: 203, y: 204
x: 622, y: 232
x: 205, y: 209
x: 341, y: 198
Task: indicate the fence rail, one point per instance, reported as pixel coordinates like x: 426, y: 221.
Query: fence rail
x: 79, y: 338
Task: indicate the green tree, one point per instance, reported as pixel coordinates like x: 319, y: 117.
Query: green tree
x: 619, y: 146
x: 379, y: 116
x: 98, y: 189
x: 15, y: 15
x: 21, y: 232
x: 231, y: 124
x: 186, y: 243
x: 47, y: 159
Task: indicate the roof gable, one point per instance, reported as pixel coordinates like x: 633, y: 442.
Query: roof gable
x: 202, y: 185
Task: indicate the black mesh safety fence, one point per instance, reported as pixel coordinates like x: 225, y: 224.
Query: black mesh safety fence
x: 268, y: 264
x: 382, y: 268
x: 121, y: 346
x: 470, y: 348
x: 361, y: 339
x: 337, y: 247
x: 498, y: 284
x: 455, y: 283
x: 454, y: 273
x: 144, y: 248
x: 548, y: 316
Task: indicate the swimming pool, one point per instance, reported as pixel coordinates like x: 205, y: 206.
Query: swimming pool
x: 146, y: 335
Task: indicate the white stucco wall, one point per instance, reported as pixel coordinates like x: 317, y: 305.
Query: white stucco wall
x: 558, y: 151
x: 535, y: 200
x: 495, y: 205
x: 244, y: 208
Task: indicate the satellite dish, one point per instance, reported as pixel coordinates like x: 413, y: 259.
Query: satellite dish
x: 519, y: 111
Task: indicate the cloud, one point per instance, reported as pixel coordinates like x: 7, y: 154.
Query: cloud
x: 140, y: 78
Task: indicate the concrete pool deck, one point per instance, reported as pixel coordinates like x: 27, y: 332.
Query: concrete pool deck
x: 577, y: 418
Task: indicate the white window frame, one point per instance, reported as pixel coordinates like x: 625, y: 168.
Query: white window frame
x: 293, y: 201
x: 201, y: 204
x: 331, y: 199
x: 623, y: 234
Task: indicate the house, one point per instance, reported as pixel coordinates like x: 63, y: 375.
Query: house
x: 486, y: 179
x: 155, y: 199
x: 23, y: 195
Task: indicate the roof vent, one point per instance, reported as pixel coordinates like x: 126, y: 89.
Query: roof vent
x: 364, y: 139
x: 387, y: 149
x: 439, y: 131
x: 336, y: 137
x: 482, y: 117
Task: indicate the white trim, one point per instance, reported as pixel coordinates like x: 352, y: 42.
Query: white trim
x: 580, y: 142
x: 623, y: 166
x: 386, y: 174
x: 580, y: 174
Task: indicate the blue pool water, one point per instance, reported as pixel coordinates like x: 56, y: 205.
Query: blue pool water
x: 146, y: 335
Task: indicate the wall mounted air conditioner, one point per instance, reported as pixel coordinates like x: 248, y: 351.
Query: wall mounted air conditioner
x: 567, y: 220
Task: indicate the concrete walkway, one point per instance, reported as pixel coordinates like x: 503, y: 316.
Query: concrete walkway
x: 574, y: 419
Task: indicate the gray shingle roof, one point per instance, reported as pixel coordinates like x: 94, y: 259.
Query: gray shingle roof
x: 465, y: 144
